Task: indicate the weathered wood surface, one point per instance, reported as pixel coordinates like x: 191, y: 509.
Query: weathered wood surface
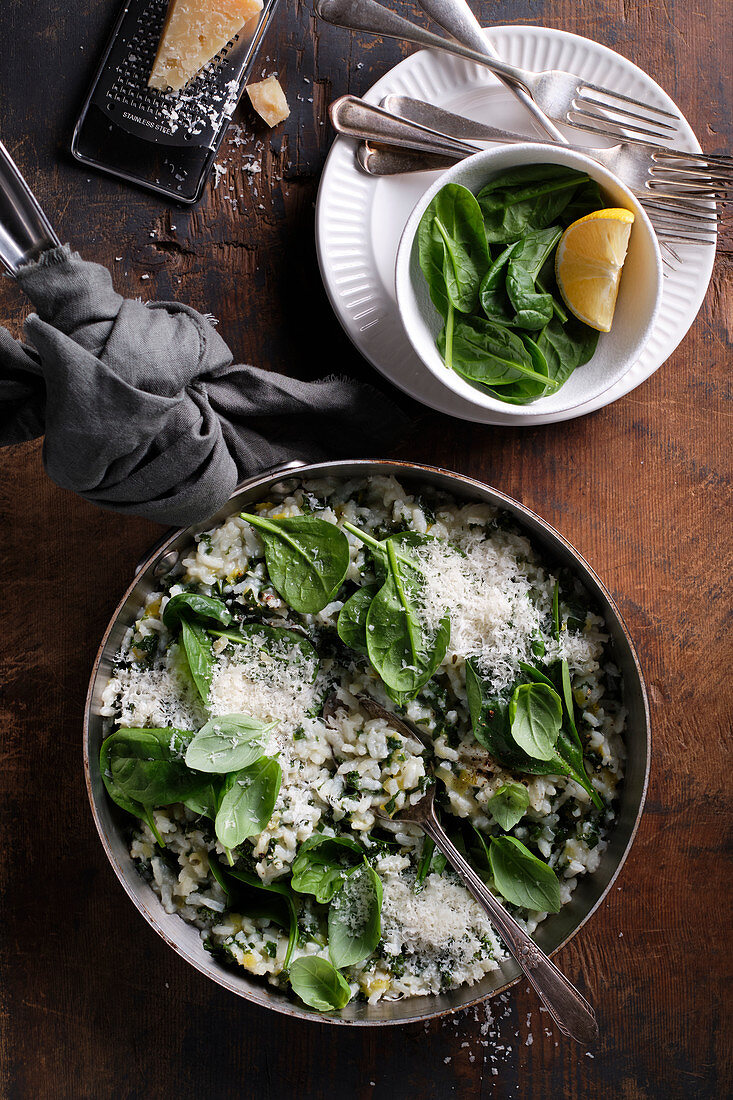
x: 92, y: 1004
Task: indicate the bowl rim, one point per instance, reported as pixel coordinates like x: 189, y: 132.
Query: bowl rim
x: 403, y: 281
x: 260, y: 994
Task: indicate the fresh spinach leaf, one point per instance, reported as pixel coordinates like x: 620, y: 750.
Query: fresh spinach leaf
x: 271, y: 900
x: 113, y: 790
x: 199, y: 655
x: 488, y: 717
x: 205, y: 802
x: 567, y: 694
x: 477, y: 852
x: 432, y: 862
x: 354, y: 918
x: 190, y: 605
x: 351, y: 624
x: 276, y: 643
x: 318, y: 984
x: 509, y: 804
x: 148, y: 766
x: 400, y: 648
x: 587, y: 199
x: 492, y: 292
x: 490, y: 721
x: 307, y: 559
x: 426, y: 858
x: 137, y: 809
x: 566, y: 346
x: 493, y: 356
x: 228, y: 744
x: 452, y: 249
x: 572, y: 764
x: 249, y: 801
x: 323, y: 863
x: 219, y: 876
x: 529, y: 197
x: 533, y: 310
x: 521, y: 878
x: 535, y: 675
x: 535, y: 718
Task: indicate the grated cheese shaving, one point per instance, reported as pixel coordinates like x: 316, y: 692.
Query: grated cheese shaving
x: 483, y: 585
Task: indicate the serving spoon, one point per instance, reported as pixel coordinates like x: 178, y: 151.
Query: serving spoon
x: 570, y: 1011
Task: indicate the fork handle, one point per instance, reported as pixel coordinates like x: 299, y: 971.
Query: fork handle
x: 369, y: 16
x: 354, y: 118
x: 25, y: 231
x: 570, y: 1011
x: 456, y: 17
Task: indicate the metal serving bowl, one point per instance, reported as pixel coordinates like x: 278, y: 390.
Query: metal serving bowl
x: 555, y: 931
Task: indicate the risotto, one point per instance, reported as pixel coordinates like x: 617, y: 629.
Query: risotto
x: 263, y: 803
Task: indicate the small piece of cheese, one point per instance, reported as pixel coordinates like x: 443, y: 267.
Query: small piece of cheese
x: 268, y: 100
x: 194, y: 32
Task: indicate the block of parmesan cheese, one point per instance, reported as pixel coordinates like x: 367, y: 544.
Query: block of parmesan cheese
x: 268, y: 100
x: 193, y: 33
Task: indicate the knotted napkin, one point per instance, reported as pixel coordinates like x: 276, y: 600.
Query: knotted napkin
x: 144, y: 411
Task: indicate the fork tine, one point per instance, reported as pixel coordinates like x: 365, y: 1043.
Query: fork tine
x: 721, y: 160
x: 679, y: 204
x: 612, y: 127
x: 693, y: 167
x: 673, y: 189
x: 671, y: 221
x: 681, y: 238
x: 693, y: 179
x: 621, y: 110
x: 702, y: 217
x: 689, y: 175
x: 628, y: 99
x: 668, y: 223
x: 684, y: 232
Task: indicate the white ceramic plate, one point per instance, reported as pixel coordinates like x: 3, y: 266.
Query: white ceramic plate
x: 360, y: 219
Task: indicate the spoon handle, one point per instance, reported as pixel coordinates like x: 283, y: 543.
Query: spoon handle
x: 456, y: 17
x: 570, y: 1011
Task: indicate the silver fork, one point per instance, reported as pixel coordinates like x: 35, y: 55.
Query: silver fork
x: 677, y: 215
x: 562, y: 96
x: 570, y: 1011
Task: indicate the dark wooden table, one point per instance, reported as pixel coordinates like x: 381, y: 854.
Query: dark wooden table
x: 92, y: 1003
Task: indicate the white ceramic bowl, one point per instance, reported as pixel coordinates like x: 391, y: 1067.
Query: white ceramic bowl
x: 638, y: 302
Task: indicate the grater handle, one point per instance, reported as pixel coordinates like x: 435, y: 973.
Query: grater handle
x: 25, y: 231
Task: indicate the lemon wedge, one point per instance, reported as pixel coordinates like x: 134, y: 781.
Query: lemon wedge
x: 588, y: 264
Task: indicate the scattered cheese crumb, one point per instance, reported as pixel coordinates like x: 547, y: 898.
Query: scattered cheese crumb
x: 268, y: 100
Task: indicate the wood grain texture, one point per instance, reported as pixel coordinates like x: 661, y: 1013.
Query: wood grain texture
x: 92, y: 1003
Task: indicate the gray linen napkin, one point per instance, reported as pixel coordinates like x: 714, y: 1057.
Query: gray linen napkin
x: 144, y: 411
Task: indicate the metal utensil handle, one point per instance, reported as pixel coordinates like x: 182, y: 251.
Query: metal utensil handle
x: 455, y: 17
x: 435, y: 119
x: 25, y: 231
x: 369, y: 16
x: 387, y: 160
x: 570, y: 1011
x: 355, y: 118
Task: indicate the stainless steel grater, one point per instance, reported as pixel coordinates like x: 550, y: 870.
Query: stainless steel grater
x: 165, y: 141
